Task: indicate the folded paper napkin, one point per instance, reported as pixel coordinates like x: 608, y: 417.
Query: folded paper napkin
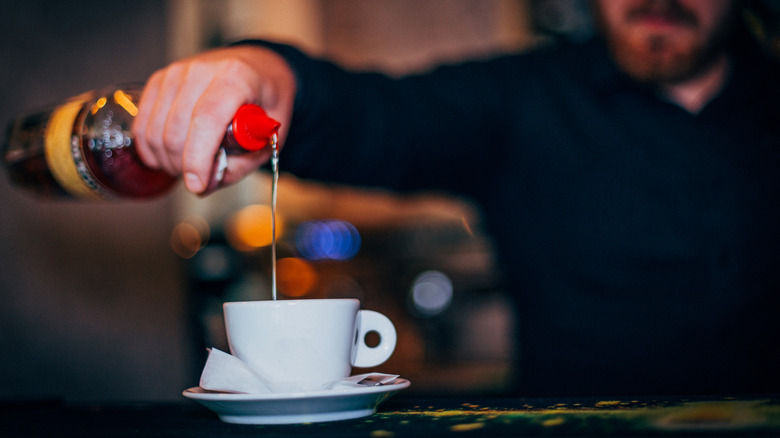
x: 226, y: 373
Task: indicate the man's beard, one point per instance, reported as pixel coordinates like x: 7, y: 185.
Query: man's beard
x: 662, y: 58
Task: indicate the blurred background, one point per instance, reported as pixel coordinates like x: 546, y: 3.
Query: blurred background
x: 118, y: 300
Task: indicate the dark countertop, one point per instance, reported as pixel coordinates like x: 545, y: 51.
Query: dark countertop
x: 417, y: 416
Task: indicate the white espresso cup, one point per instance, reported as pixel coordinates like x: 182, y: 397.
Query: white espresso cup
x: 302, y: 345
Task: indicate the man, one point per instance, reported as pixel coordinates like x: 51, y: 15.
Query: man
x: 630, y: 183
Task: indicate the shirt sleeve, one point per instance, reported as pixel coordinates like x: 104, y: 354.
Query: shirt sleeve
x: 436, y: 130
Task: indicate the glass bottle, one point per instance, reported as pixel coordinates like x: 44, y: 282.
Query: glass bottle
x: 83, y: 148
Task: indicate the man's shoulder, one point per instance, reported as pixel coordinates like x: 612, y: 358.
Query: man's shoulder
x: 549, y: 61
x: 582, y: 64
x: 556, y: 54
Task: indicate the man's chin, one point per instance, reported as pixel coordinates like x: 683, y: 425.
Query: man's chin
x: 655, y: 71
x: 656, y: 61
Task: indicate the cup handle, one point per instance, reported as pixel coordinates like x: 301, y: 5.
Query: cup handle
x: 364, y: 356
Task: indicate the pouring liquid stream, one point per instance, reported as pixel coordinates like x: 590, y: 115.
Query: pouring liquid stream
x: 274, y: 182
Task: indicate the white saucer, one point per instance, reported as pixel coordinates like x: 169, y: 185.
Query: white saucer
x: 299, y: 407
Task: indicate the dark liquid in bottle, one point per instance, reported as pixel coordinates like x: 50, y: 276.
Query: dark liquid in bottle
x: 109, y: 152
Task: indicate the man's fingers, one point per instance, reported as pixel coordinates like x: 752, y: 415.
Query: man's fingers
x: 141, y: 121
x: 167, y: 155
x: 209, y: 121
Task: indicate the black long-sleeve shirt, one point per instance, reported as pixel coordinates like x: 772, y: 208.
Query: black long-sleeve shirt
x: 641, y: 242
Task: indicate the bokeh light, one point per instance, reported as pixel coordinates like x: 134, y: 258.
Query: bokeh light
x: 250, y: 228
x: 431, y: 293
x: 295, y: 277
x: 213, y: 263
x: 189, y: 236
x: 327, y: 240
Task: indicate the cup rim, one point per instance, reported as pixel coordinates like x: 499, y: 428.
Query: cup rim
x: 304, y: 301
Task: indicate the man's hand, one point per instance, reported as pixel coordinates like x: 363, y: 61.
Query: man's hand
x: 186, y: 107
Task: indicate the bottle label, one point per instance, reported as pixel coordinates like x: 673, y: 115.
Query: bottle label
x: 63, y: 152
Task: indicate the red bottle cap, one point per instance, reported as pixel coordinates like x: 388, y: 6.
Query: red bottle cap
x: 252, y: 128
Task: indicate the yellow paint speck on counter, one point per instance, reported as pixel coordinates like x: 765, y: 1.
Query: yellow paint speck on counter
x: 608, y: 403
x: 466, y: 427
x: 557, y: 421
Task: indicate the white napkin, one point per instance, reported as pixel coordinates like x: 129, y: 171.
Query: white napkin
x: 226, y: 373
